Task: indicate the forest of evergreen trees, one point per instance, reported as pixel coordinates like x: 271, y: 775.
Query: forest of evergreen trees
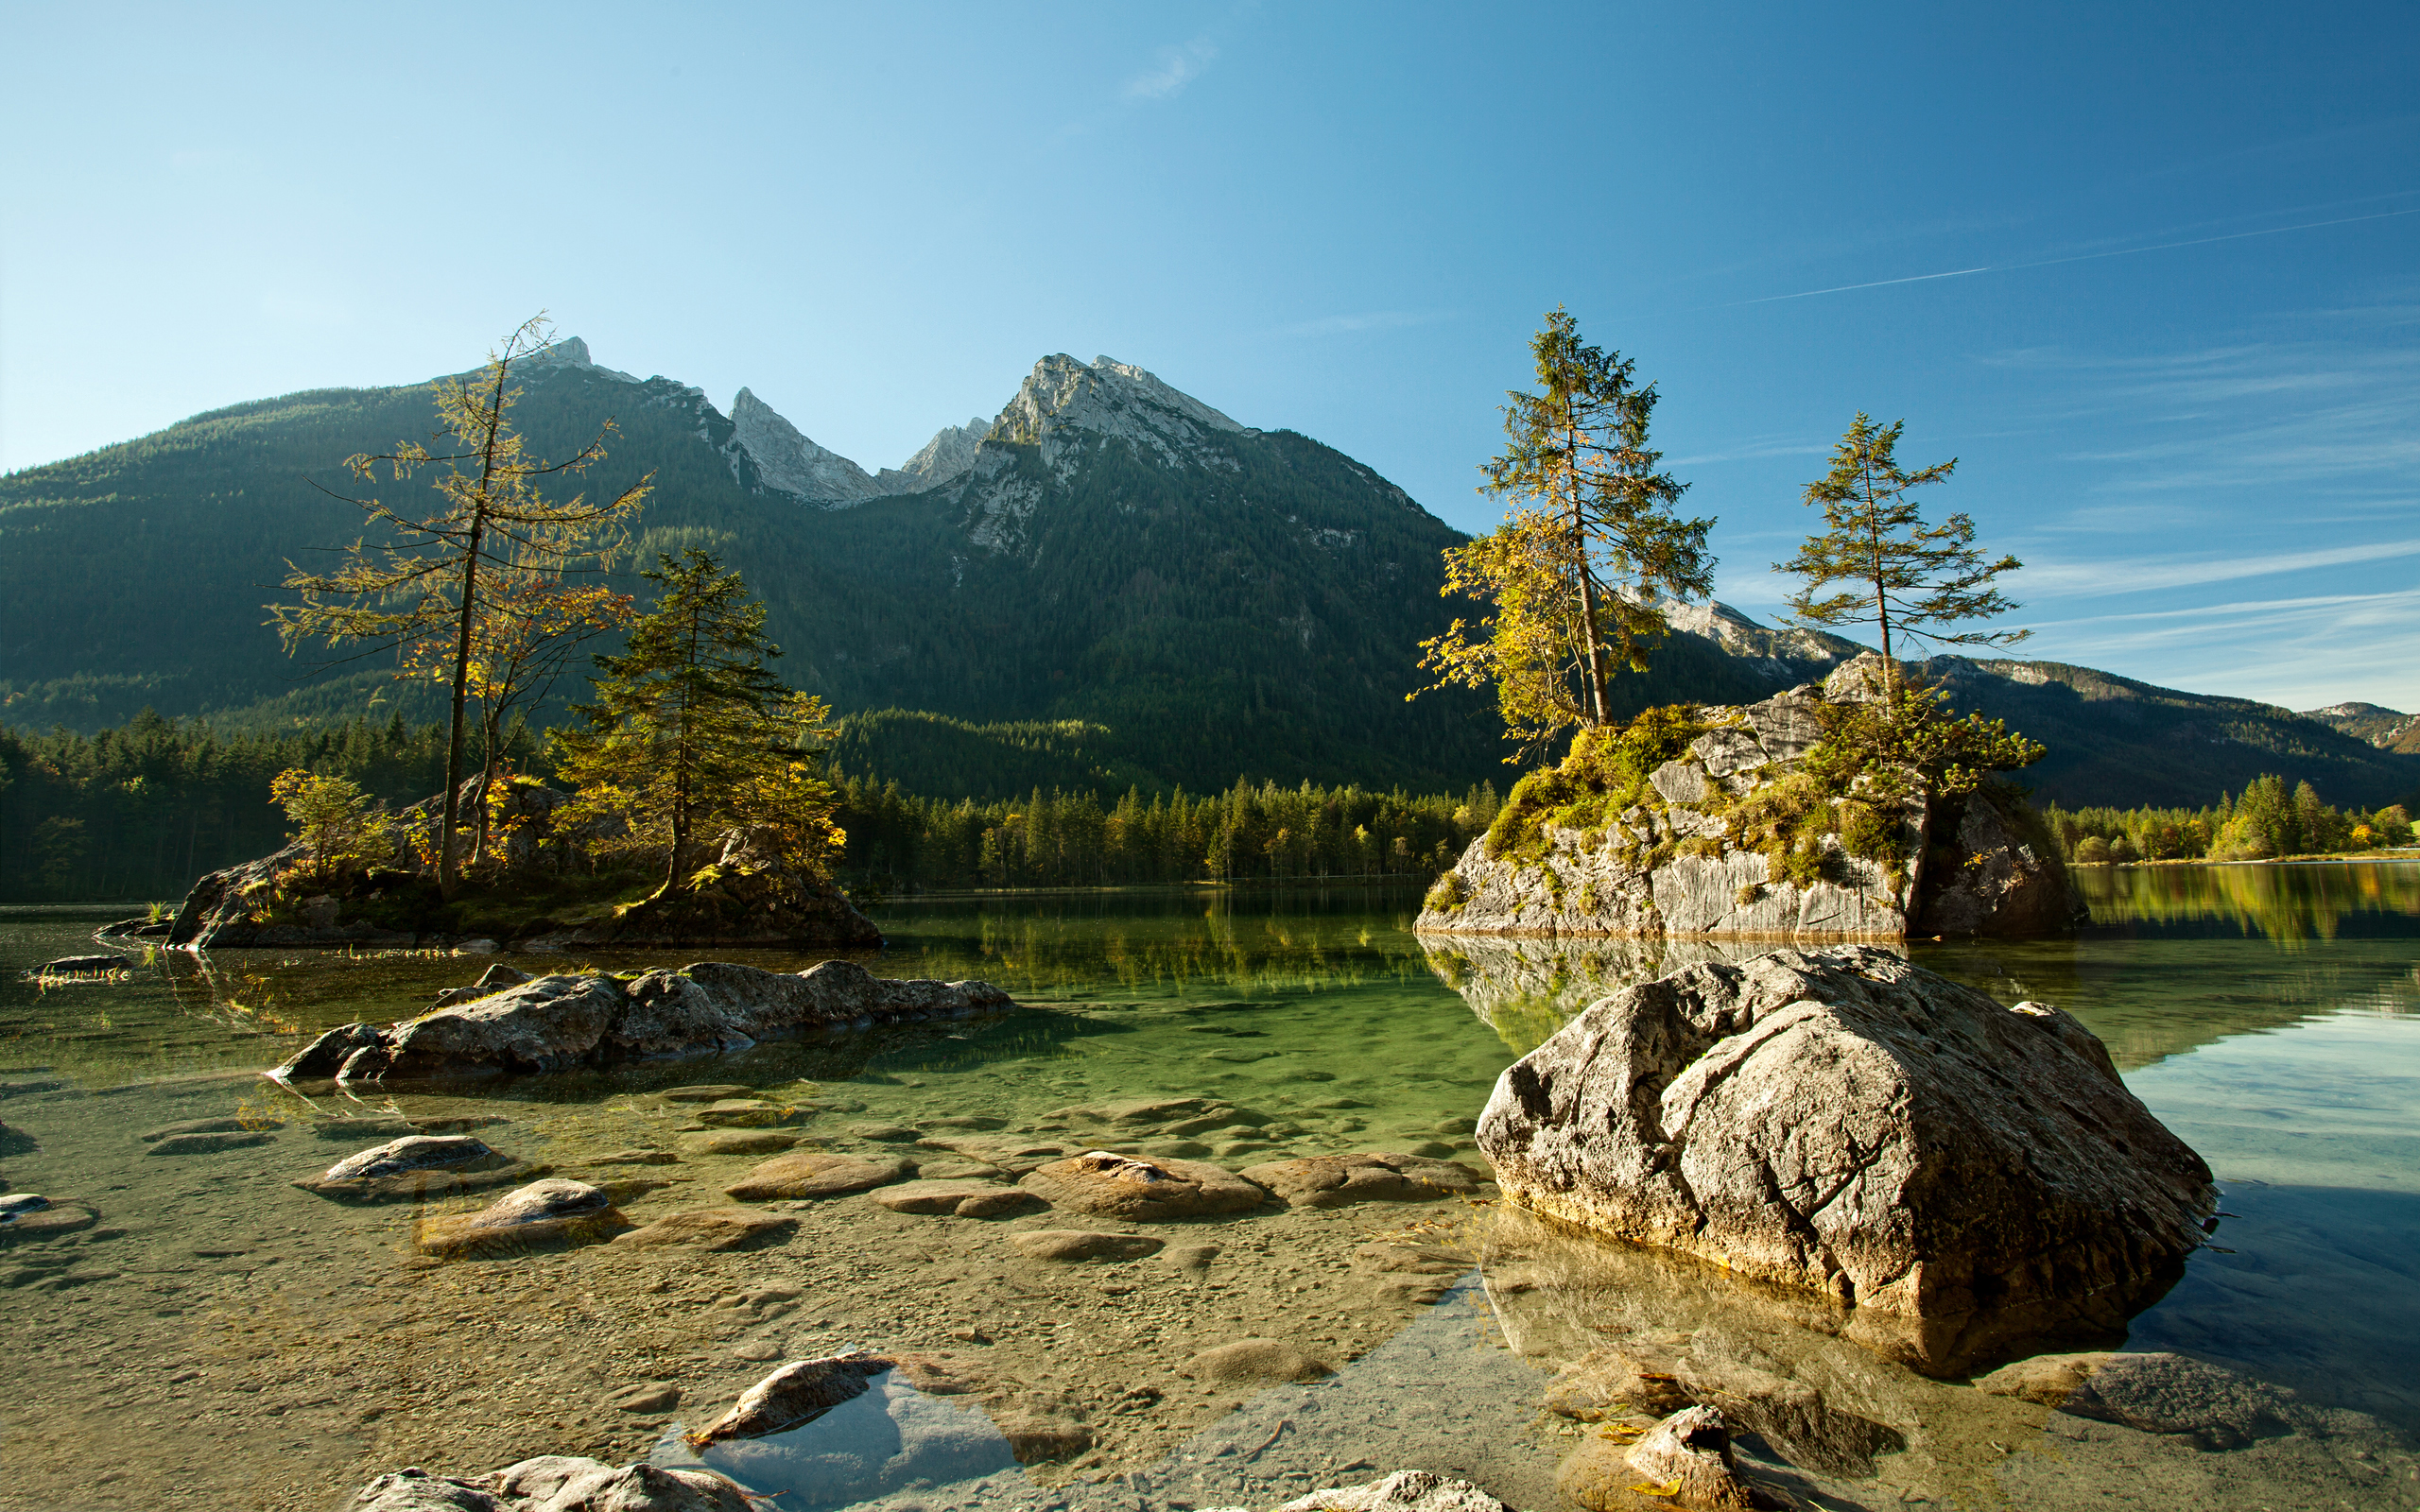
x: 138, y: 813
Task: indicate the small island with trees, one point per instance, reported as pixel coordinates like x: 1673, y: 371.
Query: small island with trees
x: 1864, y: 808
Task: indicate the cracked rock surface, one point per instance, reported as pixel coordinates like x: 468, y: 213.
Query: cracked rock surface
x: 1961, y: 1176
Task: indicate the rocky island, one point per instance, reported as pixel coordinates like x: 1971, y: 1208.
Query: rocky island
x: 1715, y: 822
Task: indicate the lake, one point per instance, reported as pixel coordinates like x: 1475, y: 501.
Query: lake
x: 218, y: 1337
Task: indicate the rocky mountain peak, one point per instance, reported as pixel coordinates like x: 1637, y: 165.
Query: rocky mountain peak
x: 947, y: 456
x: 787, y: 460
x: 1111, y: 398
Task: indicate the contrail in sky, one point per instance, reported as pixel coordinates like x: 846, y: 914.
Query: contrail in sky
x: 2085, y: 257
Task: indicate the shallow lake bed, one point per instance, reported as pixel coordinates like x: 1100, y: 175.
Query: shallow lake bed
x: 218, y: 1337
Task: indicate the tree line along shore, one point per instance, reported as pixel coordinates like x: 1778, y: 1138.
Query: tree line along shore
x: 140, y: 811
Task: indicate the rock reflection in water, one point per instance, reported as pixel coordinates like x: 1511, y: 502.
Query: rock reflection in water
x: 1526, y: 990
x: 1652, y: 1331
x: 887, y: 1438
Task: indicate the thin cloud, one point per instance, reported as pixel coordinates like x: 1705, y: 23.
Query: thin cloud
x: 2134, y: 576
x: 1177, y: 67
x: 2080, y: 257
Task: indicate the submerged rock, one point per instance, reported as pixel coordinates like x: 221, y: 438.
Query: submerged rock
x: 206, y: 1143
x: 1961, y: 1176
x: 541, y: 1216
x: 2211, y: 1407
x: 965, y: 1199
x: 714, y: 1230
x: 1340, y: 1181
x: 49, y: 1221
x: 798, y: 1393
x: 1074, y: 1245
x: 563, y: 1021
x: 1142, y: 1190
x: 813, y: 1174
x: 417, y: 1166
x: 1259, y: 1361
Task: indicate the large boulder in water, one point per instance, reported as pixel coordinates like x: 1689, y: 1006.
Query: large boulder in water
x: 1841, y: 1121
x: 561, y: 1021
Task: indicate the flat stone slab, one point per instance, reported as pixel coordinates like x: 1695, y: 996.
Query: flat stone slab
x: 720, y: 1092
x: 1142, y: 1190
x: 964, y: 1199
x: 1340, y: 1181
x: 635, y: 1158
x: 710, y: 1228
x: 816, y: 1175
x: 1074, y: 1245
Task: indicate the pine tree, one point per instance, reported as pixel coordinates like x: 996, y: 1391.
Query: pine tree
x: 1590, y: 539
x: 691, y: 732
x: 1910, y: 578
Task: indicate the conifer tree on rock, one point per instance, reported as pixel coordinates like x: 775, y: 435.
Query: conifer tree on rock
x: 1906, y: 576
x: 691, y: 734
x: 1570, y: 575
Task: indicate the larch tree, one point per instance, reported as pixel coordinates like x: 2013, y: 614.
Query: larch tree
x: 692, y: 732
x: 1591, y: 538
x: 1883, y: 565
x: 422, y: 586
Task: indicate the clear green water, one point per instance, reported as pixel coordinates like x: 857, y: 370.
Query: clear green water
x: 269, y: 1350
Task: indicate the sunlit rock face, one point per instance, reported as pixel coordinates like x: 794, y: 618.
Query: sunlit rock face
x: 1962, y: 1175
x: 1675, y: 864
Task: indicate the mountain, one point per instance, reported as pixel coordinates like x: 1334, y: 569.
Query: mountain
x: 1223, y: 601
x: 2386, y: 728
x: 1110, y: 583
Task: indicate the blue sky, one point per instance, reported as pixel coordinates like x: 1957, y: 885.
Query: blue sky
x: 2151, y: 273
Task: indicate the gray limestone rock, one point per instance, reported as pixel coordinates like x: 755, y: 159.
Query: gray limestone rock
x: 1995, y: 874
x: 414, y: 1489
x: 1669, y: 866
x: 207, y: 1143
x: 560, y: 1023
x: 1961, y: 1176
x: 564, y: 1483
x: 324, y: 1056
x: 798, y: 1393
x: 1402, y: 1491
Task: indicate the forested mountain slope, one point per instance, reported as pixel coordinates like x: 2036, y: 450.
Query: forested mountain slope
x: 1114, y: 585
